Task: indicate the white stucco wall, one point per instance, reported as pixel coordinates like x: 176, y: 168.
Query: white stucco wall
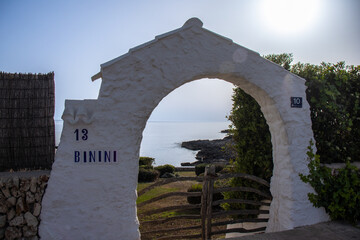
x: 88, y: 200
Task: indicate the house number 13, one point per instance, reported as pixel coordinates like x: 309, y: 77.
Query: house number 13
x: 84, y: 134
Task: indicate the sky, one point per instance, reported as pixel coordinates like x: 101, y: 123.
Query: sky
x: 73, y: 37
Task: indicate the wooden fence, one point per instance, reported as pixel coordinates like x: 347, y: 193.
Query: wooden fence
x: 27, y: 134
x: 209, y: 219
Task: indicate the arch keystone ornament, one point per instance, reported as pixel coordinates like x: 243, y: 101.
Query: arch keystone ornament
x: 91, y: 192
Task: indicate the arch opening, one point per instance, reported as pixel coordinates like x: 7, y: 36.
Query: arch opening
x: 276, y: 128
x: 188, y: 84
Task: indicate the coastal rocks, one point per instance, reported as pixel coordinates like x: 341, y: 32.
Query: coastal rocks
x: 210, y: 151
x: 20, y: 206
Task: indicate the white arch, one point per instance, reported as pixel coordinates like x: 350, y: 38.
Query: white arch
x: 132, y: 86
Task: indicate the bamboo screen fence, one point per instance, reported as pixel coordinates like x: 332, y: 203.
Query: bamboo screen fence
x: 27, y: 130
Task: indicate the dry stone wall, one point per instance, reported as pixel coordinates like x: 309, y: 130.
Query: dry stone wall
x: 20, y: 205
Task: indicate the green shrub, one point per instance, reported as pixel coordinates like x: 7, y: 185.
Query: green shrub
x: 148, y: 161
x: 167, y: 168
x: 194, y: 188
x: 337, y: 191
x: 146, y: 167
x: 197, y: 200
x: 200, y: 168
x: 147, y: 175
x: 227, y: 169
x: 218, y: 168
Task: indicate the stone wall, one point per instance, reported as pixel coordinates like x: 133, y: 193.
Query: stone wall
x: 20, y: 204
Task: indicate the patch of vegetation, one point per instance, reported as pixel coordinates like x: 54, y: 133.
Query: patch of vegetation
x: 194, y: 188
x: 147, y: 175
x: 146, y: 161
x: 146, y: 170
x: 153, y: 192
x: 338, y: 191
x: 167, y: 168
x: 197, y: 199
x: 253, y: 148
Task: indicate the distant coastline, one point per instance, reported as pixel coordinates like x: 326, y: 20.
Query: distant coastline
x: 162, y: 140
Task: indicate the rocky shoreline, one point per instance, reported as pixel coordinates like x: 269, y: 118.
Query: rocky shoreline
x: 210, y: 151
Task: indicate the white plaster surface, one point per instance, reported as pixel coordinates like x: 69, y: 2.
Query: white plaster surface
x: 97, y: 200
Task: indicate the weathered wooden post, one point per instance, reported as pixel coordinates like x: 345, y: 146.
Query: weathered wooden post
x: 206, y: 202
x: 204, y: 197
x: 210, y: 179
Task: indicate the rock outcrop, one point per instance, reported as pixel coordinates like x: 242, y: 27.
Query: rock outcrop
x: 210, y: 151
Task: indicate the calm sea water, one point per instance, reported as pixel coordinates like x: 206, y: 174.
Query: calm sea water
x: 162, y: 140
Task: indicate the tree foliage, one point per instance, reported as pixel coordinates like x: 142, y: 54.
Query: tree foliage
x: 338, y: 191
x: 333, y: 94
x: 252, y: 144
x: 283, y: 59
x: 251, y: 136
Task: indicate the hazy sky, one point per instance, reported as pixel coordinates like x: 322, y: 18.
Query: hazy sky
x: 72, y: 38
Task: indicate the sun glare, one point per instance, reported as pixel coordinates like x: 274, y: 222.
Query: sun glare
x: 289, y: 16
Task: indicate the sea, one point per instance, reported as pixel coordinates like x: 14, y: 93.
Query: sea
x: 162, y: 140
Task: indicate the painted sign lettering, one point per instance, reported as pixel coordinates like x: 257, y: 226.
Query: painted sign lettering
x: 84, y: 135
x: 95, y: 157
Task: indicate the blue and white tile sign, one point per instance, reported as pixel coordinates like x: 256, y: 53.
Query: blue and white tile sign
x: 296, y: 102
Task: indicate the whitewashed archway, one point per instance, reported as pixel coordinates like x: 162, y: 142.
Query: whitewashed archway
x: 91, y: 193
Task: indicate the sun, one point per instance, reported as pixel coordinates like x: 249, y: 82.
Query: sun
x: 289, y: 16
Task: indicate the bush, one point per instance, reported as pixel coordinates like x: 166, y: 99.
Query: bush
x: 227, y: 169
x: 218, y: 168
x: 167, y: 168
x: 200, y: 168
x: 197, y: 200
x: 147, y: 167
x: 147, y: 175
x: 146, y: 161
x: 337, y: 191
x: 194, y: 188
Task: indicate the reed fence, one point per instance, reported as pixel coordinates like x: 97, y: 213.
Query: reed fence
x: 27, y: 129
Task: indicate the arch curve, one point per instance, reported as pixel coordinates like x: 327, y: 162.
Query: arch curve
x: 132, y: 86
